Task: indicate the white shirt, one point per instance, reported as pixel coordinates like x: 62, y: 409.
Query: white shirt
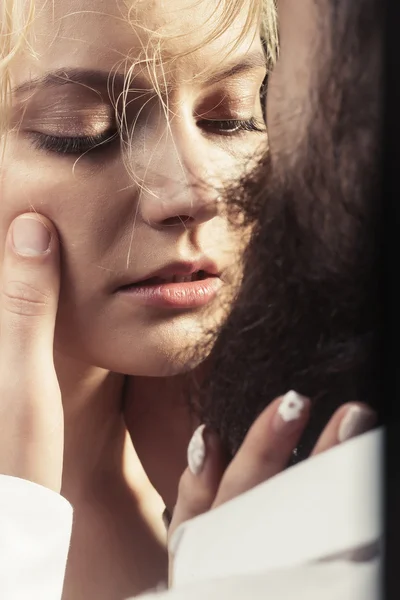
x: 35, y: 530
x: 310, y: 533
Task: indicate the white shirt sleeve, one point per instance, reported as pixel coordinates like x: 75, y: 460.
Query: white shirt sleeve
x: 35, y: 532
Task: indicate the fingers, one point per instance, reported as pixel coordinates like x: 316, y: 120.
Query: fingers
x: 30, y: 287
x: 30, y: 402
x: 267, y: 447
x: 208, y: 482
x: 200, y: 481
x: 348, y: 421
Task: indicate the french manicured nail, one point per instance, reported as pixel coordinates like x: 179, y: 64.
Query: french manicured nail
x: 357, y: 420
x: 30, y: 237
x: 289, y: 412
x: 196, y: 452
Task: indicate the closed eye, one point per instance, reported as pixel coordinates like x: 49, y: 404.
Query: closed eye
x: 231, y: 126
x: 74, y: 145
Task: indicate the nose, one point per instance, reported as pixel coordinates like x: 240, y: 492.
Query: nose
x: 172, y: 207
x: 176, y: 190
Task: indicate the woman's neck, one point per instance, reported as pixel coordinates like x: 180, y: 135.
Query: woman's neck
x: 98, y: 452
x: 94, y: 429
x: 117, y: 513
x: 161, y: 425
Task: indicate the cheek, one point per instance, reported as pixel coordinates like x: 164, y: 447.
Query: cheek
x: 220, y: 238
x: 228, y: 239
x: 231, y: 159
x: 77, y: 202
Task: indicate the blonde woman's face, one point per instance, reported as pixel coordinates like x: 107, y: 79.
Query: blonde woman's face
x: 136, y: 209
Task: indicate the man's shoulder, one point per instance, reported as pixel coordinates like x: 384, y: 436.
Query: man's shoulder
x: 337, y: 580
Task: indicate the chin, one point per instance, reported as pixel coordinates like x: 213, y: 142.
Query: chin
x: 154, y: 354
x: 156, y: 365
x: 149, y: 363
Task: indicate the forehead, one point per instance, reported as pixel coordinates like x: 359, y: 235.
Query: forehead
x: 99, y: 34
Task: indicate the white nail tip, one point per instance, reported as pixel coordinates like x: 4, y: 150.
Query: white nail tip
x: 357, y: 420
x: 346, y: 425
x: 291, y: 406
x: 196, y: 452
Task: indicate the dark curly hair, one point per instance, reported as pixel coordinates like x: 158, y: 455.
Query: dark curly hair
x: 308, y: 313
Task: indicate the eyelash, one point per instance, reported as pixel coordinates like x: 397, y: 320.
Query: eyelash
x: 232, y: 126
x: 74, y: 145
x: 81, y: 145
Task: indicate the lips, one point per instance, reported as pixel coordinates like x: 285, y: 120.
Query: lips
x: 157, y: 280
x: 177, y: 286
x: 178, y: 272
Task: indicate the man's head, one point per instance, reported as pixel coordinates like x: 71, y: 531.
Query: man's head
x: 306, y: 316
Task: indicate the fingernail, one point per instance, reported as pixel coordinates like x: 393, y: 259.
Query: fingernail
x: 30, y: 237
x: 196, y: 452
x: 357, y: 420
x: 290, y: 410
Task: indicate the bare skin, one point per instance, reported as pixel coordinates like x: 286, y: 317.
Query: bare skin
x: 114, y: 229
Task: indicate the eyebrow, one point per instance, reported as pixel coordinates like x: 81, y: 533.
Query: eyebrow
x: 248, y: 62
x: 98, y: 78
x: 86, y: 77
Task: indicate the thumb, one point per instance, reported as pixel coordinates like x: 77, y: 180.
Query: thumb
x: 31, y: 444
